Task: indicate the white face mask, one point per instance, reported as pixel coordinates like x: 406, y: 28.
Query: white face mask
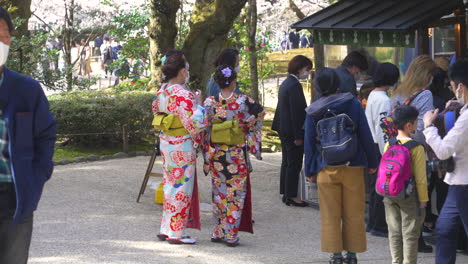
x: 237, y: 69
x: 460, y: 99
x: 304, y: 75
x: 187, y: 77
x: 4, y: 50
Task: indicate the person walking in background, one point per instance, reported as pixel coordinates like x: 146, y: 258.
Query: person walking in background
x: 405, y: 216
x: 414, y: 91
x: 289, y: 123
x: 284, y: 42
x: 97, y: 45
x: 226, y: 57
x: 304, y: 41
x: 454, y: 144
x: 181, y: 119
x: 26, y: 150
x: 85, y: 59
x: 349, y: 72
x: 107, y: 56
x: 235, y: 132
x: 339, y: 172
x: 378, y: 107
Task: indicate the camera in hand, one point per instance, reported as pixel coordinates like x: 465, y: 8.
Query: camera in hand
x: 447, y: 165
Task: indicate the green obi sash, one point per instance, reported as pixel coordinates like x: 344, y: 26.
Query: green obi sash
x: 169, y: 124
x: 227, y: 132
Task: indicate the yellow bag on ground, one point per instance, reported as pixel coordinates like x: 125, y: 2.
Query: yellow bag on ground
x: 227, y: 132
x: 159, y: 194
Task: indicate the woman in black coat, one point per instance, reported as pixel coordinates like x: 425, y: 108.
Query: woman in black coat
x: 289, y: 123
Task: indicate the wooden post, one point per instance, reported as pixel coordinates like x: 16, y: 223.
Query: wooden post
x: 460, y: 39
x: 423, y: 41
x: 125, y: 138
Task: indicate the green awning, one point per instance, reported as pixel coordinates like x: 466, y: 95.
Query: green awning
x: 365, y: 38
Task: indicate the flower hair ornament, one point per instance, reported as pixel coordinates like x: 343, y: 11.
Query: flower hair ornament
x: 226, y: 73
x: 163, y: 60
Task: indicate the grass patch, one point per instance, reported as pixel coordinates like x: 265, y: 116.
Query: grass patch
x: 71, y: 152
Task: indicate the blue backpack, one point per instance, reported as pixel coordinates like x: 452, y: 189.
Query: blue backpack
x: 337, y: 138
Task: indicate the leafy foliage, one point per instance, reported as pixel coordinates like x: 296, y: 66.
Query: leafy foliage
x: 96, y: 118
x: 239, y: 35
x: 130, y: 27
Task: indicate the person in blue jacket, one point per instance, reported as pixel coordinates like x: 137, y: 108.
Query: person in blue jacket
x: 27, y: 139
x: 341, y: 188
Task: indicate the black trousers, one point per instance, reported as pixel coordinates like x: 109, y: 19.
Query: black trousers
x: 291, y: 166
x: 14, y: 239
x: 377, y: 221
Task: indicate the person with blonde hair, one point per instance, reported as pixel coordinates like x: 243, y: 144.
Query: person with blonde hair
x: 414, y: 90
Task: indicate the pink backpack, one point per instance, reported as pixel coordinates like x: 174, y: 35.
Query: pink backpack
x: 394, y: 175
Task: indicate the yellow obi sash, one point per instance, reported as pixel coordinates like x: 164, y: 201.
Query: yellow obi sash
x: 227, y: 132
x: 169, y: 124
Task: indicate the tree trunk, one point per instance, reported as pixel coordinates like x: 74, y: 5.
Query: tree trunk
x: 209, y: 25
x: 253, y: 59
x: 67, y: 39
x: 162, y: 33
x: 19, y: 9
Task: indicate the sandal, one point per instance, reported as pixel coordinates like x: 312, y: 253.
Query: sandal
x: 217, y: 239
x: 181, y: 241
x: 163, y: 237
x: 232, y: 244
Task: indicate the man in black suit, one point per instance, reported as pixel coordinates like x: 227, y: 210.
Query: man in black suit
x: 289, y: 123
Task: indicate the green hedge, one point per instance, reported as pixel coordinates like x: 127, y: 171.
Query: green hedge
x: 83, y: 115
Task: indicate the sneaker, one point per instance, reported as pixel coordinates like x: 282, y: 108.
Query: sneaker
x: 336, y: 259
x: 427, y: 231
x: 424, y: 248
x: 350, y: 260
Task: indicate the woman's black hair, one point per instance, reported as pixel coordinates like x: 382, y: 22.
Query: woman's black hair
x: 459, y: 72
x: 403, y: 115
x: 328, y: 81
x: 440, y: 85
x: 227, y: 57
x: 6, y: 17
x: 386, y: 74
x: 356, y: 58
x: 298, y: 63
x: 174, y: 63
x: 224, y: 75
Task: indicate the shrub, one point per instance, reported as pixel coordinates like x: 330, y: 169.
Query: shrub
x: 96, y: 118
x: 138, y: 85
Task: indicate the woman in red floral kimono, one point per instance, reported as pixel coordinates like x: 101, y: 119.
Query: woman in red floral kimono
x: 181, y: 119
x: 235, y: 131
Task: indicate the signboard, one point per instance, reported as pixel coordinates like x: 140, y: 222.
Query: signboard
x: 365, y: 38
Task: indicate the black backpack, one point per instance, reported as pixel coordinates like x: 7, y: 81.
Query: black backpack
x: 337, y: 138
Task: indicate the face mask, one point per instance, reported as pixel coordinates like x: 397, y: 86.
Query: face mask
x: 460, y: 99
x: 187, y: 77
x: 4, y: 50
x: 237, y: 69
x: 304, y: 75
x: 357, y: 76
